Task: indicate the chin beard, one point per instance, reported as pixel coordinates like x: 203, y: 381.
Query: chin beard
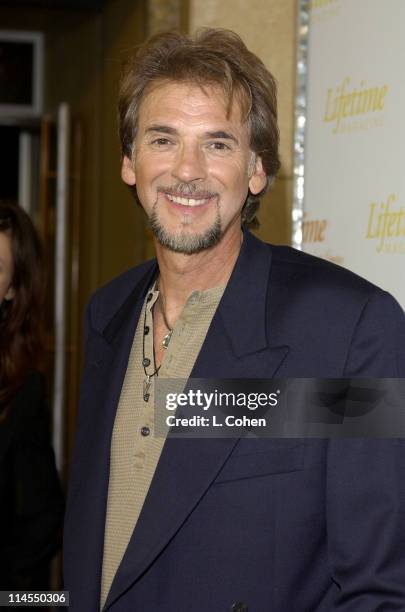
x: 183, y: 242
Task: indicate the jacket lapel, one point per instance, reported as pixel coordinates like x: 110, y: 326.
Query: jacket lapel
x: 236, y: 346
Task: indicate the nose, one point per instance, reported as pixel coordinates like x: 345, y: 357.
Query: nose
x: 190, y: 164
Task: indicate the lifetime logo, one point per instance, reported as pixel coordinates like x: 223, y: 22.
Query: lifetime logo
x: 313, y: 230
x: 385, y: 223
x: 346, y: 101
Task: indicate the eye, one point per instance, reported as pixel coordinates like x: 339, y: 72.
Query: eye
x: 161, y: 142
x: 218, y: 145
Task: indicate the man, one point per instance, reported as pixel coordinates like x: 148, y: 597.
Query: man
x: 181, y: 525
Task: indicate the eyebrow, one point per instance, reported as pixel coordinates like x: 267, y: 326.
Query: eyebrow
x: 223, y: 136
x: 166, y: 129
x: 163, y: 129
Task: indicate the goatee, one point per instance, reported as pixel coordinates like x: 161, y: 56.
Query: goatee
x: 185, y: 242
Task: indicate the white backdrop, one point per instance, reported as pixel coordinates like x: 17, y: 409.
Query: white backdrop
x: 354, y: 206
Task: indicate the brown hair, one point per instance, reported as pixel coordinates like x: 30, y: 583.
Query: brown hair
x: 213, y: 57
x: 21, y: 335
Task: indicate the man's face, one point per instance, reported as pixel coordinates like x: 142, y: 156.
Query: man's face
x: 192, y: 165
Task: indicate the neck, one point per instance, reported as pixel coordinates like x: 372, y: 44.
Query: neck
x: 181, y: 274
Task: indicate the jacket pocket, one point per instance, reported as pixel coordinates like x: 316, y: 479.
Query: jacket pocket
x: 274, y: 457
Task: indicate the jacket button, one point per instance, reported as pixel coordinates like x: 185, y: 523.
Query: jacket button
x: 239, y: 606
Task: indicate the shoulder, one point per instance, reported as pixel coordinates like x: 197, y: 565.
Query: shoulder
x: 33, y: 386
x: 299, y: 273
x: 305, y: 271
x: 308, y: 278
x: 326, y: 305
x: 108, y: 299
x: 31, y: 392
x: 28, y: 415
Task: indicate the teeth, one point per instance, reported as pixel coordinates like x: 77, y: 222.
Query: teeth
x: 187, y: 201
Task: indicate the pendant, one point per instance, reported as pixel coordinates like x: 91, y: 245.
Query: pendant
x: 166, y: 339
x: 146, y: 386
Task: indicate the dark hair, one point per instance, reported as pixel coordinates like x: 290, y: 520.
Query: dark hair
x: 21, y: 329
x: 213, y: 57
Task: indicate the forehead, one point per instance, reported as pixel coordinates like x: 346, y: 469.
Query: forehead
x: 189, y: 103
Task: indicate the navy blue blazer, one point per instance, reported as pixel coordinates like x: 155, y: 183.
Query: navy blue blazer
x: 254, y: 525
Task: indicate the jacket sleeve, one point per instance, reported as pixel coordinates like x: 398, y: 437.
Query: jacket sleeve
x: 366, y: 480
x: 365, y: 510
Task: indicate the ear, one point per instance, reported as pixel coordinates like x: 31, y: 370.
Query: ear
x: 10, y: 294
x: 127, y: 171
x: 257, y: 178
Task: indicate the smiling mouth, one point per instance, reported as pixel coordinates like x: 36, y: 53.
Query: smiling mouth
x: 187, y: 201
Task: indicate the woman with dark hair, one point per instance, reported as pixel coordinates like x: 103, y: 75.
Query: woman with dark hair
x: 31, y: 505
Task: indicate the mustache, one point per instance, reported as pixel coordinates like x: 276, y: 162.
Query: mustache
x: 188, y: 189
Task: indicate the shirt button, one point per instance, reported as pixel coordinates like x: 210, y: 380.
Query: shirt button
x: 146, y: 362
x: 146, y: 330
x: 145, y: 431
x: 239, y: 606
